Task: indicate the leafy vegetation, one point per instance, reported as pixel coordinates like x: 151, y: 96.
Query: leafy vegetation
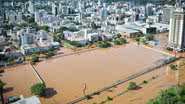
x: 118, y: 35
x: 137, y: 39
x: 74, y: 43
x: 174, y: 95
x: 149, y: 37
x: 145, y: 82
x: 173, y: 67
x: 50, y: 53
x: 109, y: 98
x: 88, y: 97
x: 58, y: 37
x: 38, y: 89
x: 132, y: 86
x: 144, y: 42
x: 35, y: 58
x: 11, y: 59
x: 2, y: 84
x: 123, y: 41
x: 103, y: 44
x: 116, y: 42
x: 119, y: 41
x: 102, y: 102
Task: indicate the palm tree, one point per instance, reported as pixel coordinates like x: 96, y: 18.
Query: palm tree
x: 2, y: 84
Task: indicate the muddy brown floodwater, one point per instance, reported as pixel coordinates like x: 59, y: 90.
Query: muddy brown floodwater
x: 65, y: 76
x: 18, y: 81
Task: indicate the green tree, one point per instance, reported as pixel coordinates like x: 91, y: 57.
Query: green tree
x: 145, y: 82
x: 75, y: 43
x: 132, y: 86
x: 123, y: 41
x: 144, y: 42
x: 118, y: 35
x: 137, y: 39
x: 173, y: 67
x: 56, y: 38
x: 174, y: 95
x: 116, y: 42
x: 35, y: 58
x: 38, y: 89
x: 109, y: 98
x: 2, y: 84
x: 103, y: 44
x: 50, y: 53
x: 149, y: 37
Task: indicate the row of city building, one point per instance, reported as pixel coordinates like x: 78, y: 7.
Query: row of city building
x: 88, y: 20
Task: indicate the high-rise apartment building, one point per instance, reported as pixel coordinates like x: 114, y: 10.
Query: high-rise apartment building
x: 54, y: 9
x: 177, y: 27
x: 166, y: 15
x: 31, y: 7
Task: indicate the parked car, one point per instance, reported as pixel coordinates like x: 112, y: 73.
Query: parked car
x: 12, y: 99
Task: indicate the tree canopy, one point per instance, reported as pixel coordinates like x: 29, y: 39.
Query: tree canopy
x: 149, y: 37
x: 2, y: 83
x: 132, y: 86
x: 38, y: 89
x: 104, y: 44
x: 116, y: 42
x: 123, y: 41
x: 35, y: 58
x: 174, y: 95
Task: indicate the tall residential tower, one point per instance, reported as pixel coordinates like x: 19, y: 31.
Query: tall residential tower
x: 177, y: 27
x: 31, y: 7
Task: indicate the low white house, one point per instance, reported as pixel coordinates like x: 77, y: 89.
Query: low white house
x: 126, y: 32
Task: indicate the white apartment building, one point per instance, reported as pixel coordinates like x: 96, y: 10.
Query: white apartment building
x: 177, y: 28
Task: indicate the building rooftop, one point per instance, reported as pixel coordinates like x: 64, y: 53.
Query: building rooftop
x: 30, y: 100
x: 122, y: 28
